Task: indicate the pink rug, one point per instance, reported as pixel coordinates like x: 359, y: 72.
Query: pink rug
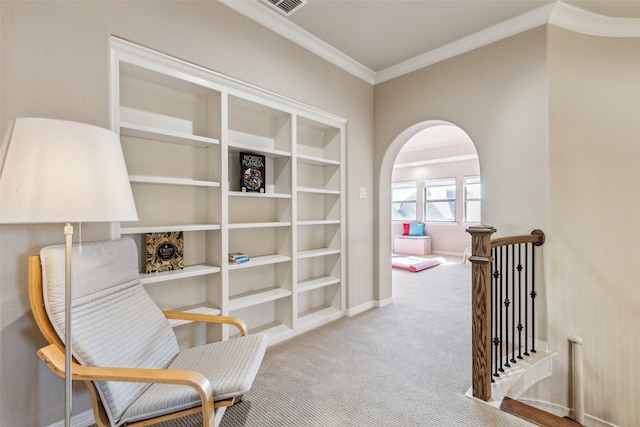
x: 413, y: 263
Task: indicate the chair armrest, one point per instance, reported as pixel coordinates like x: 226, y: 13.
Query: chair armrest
x: 209, y: 318
x: 54, y: 357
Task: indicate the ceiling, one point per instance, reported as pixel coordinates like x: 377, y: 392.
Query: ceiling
x: 377, y: 40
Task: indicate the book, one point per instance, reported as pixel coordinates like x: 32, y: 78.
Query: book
x: 165, y: 252
x: 252, y: 168
x: 240, y: 261
x: 236, y: 256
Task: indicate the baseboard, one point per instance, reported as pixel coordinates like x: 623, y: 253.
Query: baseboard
x: 383, y: 302
x: 368, y: 306
x: 561, y: 411
x: 83, y: 419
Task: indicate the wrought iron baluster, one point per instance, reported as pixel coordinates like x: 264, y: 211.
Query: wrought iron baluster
x: 526, y: 301
x: 494, y: 310
x: 507, y: 303
x: 499, y: 307
x: 533, y: 299
x: 520, y: 301
x: 513, y: 309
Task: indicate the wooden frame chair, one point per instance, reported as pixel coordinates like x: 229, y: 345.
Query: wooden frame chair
x: 211, y: 408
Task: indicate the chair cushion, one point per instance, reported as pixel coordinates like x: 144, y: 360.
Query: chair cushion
x: 231, y: 366
x: 114, y: 321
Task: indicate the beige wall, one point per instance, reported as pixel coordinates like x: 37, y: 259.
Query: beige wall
x: 55, y: 63
x: 555, y: 117
x: 592, y: 246
x: 498, y: 95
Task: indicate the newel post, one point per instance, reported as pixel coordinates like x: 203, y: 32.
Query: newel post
x: 481, y: 310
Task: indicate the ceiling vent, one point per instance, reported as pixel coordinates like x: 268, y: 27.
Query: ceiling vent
x: 286, y: 7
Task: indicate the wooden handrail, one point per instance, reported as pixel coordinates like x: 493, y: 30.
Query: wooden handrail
x: 536, y: 237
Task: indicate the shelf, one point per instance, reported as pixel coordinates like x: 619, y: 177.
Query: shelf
x: 269, y: 153
x: 260, y: 260
x: 317, y: 282
x: 320, y: 222
x: 317, y: 190
x: 146, y: 179
x: 317, y: 317
x: 317, y: 161
x: 257, y: 297
x: 190, y: 271
x: 317, y: 252
x: 197, y: 309
x: 167, y: 228
x: 173, y: 137
x: 241, y: 226
x: 182, y: 128
x: 260, y: 195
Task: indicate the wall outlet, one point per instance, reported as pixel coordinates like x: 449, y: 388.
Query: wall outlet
x: 363, y: 192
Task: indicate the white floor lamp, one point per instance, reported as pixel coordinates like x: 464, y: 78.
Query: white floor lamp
x: 55, y: 171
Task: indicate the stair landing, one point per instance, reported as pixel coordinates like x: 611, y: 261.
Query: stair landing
x: 519, y: 377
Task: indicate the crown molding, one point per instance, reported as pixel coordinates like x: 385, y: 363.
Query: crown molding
x: 451, y: 159
x: 287, y: 29
x: 559, y: 14
x: 581, y: 21
x: 511, y: 27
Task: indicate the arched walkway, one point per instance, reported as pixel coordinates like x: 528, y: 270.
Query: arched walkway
x: 383, y: 244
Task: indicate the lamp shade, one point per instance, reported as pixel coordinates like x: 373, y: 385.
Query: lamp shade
x: 56, y: 171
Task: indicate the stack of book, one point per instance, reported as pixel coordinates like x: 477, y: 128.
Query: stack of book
x: 238, y: 258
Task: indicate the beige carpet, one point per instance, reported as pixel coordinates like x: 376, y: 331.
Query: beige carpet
x: 407, y: 364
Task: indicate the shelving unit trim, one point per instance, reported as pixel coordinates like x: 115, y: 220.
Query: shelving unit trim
x: 317, y: 282
x: 318, y: 161
x: 258, y: 225
x: 317, y: 253
x: 189, y: 271
x: 156, y: 134
x: 258, y: 297
x: 260, y: 260
x: 173, y: 227
x: 147, y: 179
x: 320, y: 222
x: 317, y: 190
x: 259, y: 195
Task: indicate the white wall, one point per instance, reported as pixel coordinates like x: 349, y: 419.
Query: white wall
x: 55, y: 63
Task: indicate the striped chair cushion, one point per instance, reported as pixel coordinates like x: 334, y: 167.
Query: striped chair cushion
x: 231, y: 366
x: 114, y: 321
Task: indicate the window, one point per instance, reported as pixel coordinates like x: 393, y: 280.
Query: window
x: 440, y: 200
x: 472, y: 197
x: 404, y: 196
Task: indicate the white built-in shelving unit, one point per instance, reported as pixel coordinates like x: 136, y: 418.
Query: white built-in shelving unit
x: 182, y: 128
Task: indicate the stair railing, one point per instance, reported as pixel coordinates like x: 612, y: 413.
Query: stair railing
x: 503, y: 303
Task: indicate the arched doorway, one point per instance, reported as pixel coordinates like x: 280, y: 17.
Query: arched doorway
x: 430, y: 147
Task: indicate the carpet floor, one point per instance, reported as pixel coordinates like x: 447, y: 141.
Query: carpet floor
x: 407, y: 364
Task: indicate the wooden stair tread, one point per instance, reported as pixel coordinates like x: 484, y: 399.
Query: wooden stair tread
x: 535, y: 415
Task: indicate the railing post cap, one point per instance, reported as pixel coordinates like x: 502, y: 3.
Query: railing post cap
x: 480, y: 229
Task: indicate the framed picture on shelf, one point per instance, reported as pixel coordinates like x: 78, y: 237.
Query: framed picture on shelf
x: 165, y: 252
x: 252, y: 170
